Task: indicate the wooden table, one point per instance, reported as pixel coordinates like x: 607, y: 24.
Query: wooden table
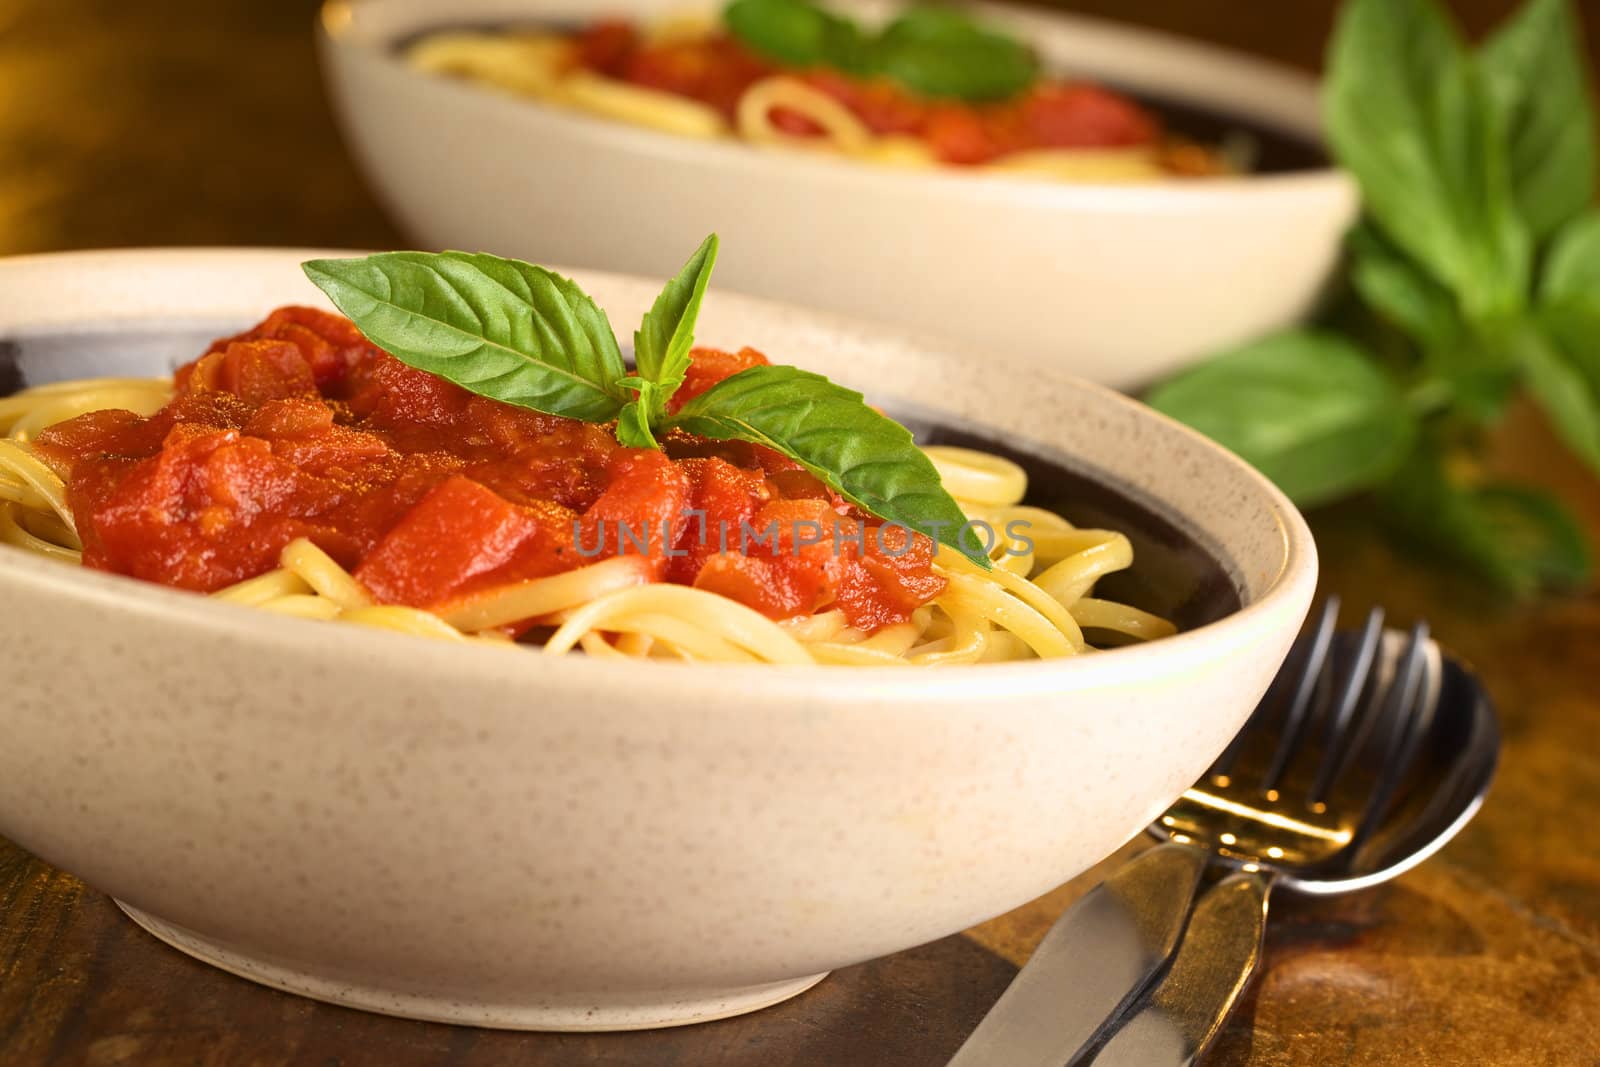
x: 203, y: 122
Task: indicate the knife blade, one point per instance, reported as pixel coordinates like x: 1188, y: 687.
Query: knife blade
x: 1213, y: 967
x: 1093, y: 963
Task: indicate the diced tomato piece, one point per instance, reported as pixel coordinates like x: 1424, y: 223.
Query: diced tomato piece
x: 958, y: 134
x: 1085, y: 116
x: 539, y: 457
x: 641, y: 510
x: 893, y: 578
x: 62, y: 445
x: 724, y: 498
x: 793, y: 482
x: 606, y: 45
x: 715, y: 71
x: 461, y: 531
x: 754, y: 581
x: 254, y: 371
x: 294, y: 417
x: 707, y: 367
x: 303, y: 432
x: 392, y: 395
x: 881, y: 105
x: 785, y: 561
x: 330, y: 344
x: 212, y: 508
x: 793, y: 123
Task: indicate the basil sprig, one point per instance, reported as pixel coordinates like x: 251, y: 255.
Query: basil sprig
x: 661, y: 347
x: 936, y: 51
x: 1475, y: 274
x: 526, y: 336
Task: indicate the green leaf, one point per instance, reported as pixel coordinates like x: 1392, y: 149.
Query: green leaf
x: 1565, y: 393
x: 633, y: 422
x: 661, y: 344
x: 1479, y: 373
x: 1309, y: 410
x: 1535, y: 69
x: 1536, y: 529
x: 1400, y: 291
x: 498, y: 327
x: 866, y: 457
x: 1570, y: 297
x: 796, y: 32
x: 1409, y: 114
x: 936, y: 51
x: 1572, y: 273
x: 1516, y: 538
x: 941, y: 52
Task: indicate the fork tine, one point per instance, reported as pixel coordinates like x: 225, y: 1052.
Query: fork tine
x: 1264, y: 714
x: 1299, y: 713
x: 1345, y: 704
x: 1408, y: 721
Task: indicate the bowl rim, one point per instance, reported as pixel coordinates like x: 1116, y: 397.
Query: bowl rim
x: 1295, y: 579
x: 338, y: 30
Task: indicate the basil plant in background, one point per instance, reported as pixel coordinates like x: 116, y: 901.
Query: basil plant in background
x: 1473, y: 274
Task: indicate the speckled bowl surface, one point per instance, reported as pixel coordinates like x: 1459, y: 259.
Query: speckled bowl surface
x: 495, y: 837
x: 1065, y: 274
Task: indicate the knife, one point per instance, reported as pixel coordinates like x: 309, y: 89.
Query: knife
x: 1092, y: 964
x: 1185, y: 1012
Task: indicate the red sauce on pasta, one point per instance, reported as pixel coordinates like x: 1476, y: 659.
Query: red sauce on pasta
x: 300, y: 427
x: 717, y: 70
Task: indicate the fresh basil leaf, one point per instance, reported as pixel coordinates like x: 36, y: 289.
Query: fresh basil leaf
x: 1479, y: 373
x: 633, y: 421
x: 1409, y: 115
x: 941, y: 52
x: 935, y: 51
x: 1538, y: 530
x: 1400, y: 291
x: 866, y: 457
x: 661, y: 344
x: 1565, y: 393
x: 1518, y: 539
x: 1575, y: 331
x: 1570, y: 296
x: 501, y: 328
x: 1459, y: 367
x: 1309, y: 410
x: 795, y: 32
x: 1572, y: 272
x: 1535, y: 69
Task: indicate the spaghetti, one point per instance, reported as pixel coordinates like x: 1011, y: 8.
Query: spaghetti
x: 61, y: 472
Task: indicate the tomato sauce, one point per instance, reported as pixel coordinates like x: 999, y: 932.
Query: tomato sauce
x: 300, y: 427
x: 717, y: 70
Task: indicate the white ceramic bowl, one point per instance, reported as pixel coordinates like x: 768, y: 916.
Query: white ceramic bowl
x: 495, y: 837
x: 1116, y: 284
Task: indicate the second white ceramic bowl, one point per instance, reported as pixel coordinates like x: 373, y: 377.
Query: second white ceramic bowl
x: 498, y: 837
x: 1117, y: 284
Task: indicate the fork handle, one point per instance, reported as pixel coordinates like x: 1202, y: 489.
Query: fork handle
x: 1092, y: 963
x: 1214, y: 965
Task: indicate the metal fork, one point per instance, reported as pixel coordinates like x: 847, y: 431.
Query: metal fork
x: 1367, y: 754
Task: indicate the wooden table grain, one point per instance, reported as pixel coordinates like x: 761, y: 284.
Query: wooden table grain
x: 203, y: 122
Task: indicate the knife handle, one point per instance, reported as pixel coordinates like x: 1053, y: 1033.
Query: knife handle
x: 1214, y: 965
x: 1091, y: 965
